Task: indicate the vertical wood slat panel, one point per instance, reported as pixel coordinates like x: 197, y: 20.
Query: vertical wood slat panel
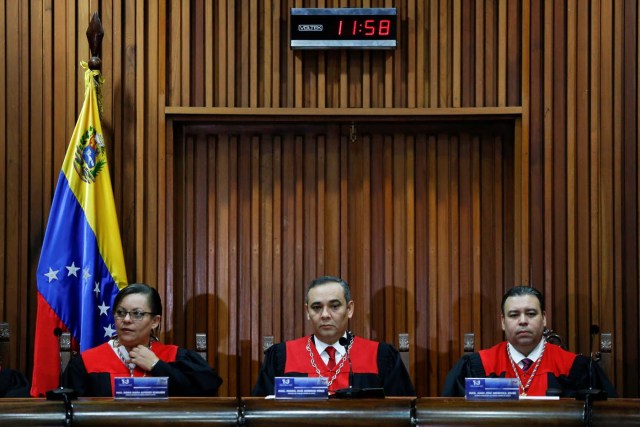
x: 393, y: 294
x: 65, y: 23
x: 431, y: 42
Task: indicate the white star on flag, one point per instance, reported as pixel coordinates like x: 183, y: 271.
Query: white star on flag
x: 73, y: 270
x: 52, y: 275
x: 97, y: 288
x: 86, y: 274
x: 103, y: 309
x: 108, y: 331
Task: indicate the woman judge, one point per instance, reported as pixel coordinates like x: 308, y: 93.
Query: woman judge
x: 135, y: 351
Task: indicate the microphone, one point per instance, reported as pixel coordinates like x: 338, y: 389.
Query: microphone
x: 590, y: 394
x: 61, y: 393
x: 346, y: 343
x: 354, y: 392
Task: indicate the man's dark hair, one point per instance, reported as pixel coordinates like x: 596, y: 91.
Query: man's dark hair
x: 153, y: 298
x: 323, y: 280
x: 518, y: 291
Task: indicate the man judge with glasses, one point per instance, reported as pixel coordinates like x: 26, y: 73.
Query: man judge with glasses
x: 136, y: 352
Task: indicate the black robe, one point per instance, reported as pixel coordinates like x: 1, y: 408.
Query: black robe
x: 189, y: 374
x: 375, y: 365
x: 561, y: 373
x: 13, y: 384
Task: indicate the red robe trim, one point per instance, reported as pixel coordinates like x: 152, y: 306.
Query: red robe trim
x: 102, y: 359
x: 555, y: 360
x: 363, y: 353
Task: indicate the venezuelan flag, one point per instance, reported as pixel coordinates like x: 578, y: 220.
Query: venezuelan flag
x: 81, y: 266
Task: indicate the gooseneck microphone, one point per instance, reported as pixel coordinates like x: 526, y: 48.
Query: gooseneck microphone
x: 346, y: 343
x: 62, y: 393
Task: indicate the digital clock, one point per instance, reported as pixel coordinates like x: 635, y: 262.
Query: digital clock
x: 343, y: 28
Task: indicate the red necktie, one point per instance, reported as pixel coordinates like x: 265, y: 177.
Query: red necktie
x: 331, y: 351
x: 526, y: 364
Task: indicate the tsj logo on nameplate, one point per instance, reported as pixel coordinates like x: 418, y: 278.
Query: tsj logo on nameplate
x: 301, y: 388
x: 492, y: 389
x: 141, y: 387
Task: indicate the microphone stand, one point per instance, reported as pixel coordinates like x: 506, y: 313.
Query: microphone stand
x: 354, y: 392
x: 62, y: 393
x: 590, y: 394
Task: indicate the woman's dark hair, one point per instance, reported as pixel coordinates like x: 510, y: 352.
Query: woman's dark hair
x: 153, y: 297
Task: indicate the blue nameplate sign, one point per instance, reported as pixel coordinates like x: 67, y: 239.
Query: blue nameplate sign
x: 301, y: 388
x: 492, y: 389
x: 141, y: 387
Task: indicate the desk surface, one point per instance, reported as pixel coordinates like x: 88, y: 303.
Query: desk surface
x: 370, y: 412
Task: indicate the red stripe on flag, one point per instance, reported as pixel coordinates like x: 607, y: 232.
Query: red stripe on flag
x: 46, y: 357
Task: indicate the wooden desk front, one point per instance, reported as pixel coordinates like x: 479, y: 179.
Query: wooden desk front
x: 260, y: 412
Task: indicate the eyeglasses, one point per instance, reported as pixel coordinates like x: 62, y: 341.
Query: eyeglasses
x: 135, y: 315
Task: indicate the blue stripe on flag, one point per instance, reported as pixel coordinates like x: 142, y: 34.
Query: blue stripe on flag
x: 72, y: 275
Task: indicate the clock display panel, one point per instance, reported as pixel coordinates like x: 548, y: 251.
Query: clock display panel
x: 343, y: 28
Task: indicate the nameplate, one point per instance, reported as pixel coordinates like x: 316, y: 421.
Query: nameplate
x: 492, y: 389
x: 141, y: 387
x: 301, y: 388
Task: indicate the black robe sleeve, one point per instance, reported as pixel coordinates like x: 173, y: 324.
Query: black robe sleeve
x: 469, y: 366
x: 13, y: 384
x: 275, y: 358
x: 394, y: 375
x: 76, y: 377
x: 582, y: 376
x: 189, y: 375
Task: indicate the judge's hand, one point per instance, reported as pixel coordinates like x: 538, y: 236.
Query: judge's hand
x: 143, y: 357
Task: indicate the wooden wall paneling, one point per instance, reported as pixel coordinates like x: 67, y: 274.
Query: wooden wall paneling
x: 433, y: 359
x: 4, y: 213
x: 174, y: 54
x: 594, y: 165
x: 174, y: 174
x: 571, y: 165
x: 558, y: 253
x: 376, y: 221
x: 140, y: 146
x: 536, y: 159
x: 513, y: 60
x: 523, y: 157
x: 467, y: 80
x: 502, y: 54
x: 126, y: 79
x: 163, y: 251
x: 242, y: 245
x: 433, y: 55
x: 454, y: 185
x: 490, y: 49
x: 630, y: 202
x: 456, y: 54
x: 444, y: 84
x: 198, y: 54
x: 420, y: 331
x: 479, y: 54
x: 582, y: 181
x: 443, y: 248
x: 151, y: 98
x: 33, y: 177
x: 399, y: 229
x: 604, y: 314
x: 618, y: 127
x: 184, y: 8
x: 209, y: 53
x: 409, y: 321
x: 545, y: 284
x: 11, y: 166
x: 477, y: 306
